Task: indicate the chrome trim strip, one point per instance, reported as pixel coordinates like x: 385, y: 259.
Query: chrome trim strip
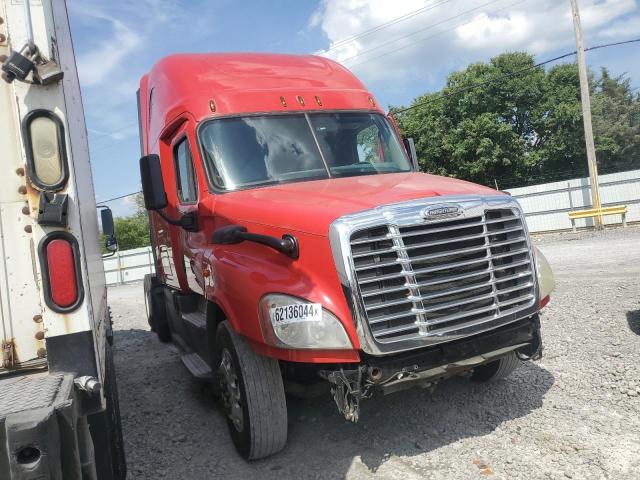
x: 435, y: 230
x: 407, y: 214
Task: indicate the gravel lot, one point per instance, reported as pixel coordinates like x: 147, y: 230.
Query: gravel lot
x: 574, y: 414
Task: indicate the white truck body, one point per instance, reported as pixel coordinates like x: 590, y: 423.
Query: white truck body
x: 65, y: 427
x: 20, y: 282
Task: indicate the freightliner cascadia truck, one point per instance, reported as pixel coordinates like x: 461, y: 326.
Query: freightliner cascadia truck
x: 296, y: 242
x: 59, y: 414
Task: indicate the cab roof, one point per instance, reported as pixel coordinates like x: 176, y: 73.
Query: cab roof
x: 217, y: 84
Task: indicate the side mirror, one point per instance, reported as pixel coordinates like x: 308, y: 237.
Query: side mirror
x: 410, y: 146
x: 106, y: 217
x: 155, y: 198
x: 108, y: 230
x: 111, y: 244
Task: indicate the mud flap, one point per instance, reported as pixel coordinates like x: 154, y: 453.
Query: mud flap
x: 106, y: 429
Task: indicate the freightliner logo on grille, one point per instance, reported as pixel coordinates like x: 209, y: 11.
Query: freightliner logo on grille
x: 439, y: 212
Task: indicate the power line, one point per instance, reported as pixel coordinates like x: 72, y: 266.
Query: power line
x: 604, y: 45
x: 382, y: 26
x: 112, y: 145
x: 109, y: 135
x: 458, y: 25
x: 119, y: 197
x: 514, y: 73
x: 416, y: 32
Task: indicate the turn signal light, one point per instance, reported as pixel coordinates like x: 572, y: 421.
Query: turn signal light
x: 59, y: 260
x: 544, y: 302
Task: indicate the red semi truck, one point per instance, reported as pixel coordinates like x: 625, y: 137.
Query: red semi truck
x: 296, y: 242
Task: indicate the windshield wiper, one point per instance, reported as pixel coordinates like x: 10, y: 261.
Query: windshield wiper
x: 259, y: 183
x: 357, y: 171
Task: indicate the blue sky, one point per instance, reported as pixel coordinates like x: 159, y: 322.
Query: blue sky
x: 399, y: 48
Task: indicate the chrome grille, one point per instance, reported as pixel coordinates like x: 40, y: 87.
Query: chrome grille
x: 434, y: 278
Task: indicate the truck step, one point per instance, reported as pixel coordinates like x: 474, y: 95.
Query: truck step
x: 197, y: 319
x: 197, y: 366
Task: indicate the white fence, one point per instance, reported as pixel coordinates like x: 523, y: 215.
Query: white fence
x: 128, y: 265
x: 546, y: 208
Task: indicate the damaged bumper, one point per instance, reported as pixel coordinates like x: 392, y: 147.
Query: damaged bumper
x: 426, y: 367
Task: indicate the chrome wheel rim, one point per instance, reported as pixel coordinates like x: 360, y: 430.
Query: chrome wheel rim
x: 230, y: 390
x: 146, y: 304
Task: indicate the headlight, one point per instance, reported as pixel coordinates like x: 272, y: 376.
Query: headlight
x: 546, y: 281
x: 291, y: 322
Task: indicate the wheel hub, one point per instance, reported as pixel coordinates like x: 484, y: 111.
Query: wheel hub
x: 230, y: 390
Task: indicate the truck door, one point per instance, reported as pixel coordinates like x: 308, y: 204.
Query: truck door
x: 188, y: 254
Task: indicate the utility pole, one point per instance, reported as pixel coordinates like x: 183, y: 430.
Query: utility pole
x: 586, y: 115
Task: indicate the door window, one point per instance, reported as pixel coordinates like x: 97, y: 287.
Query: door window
x: 185, y: 175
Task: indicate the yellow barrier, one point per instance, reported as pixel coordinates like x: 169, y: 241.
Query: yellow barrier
x: 593, y: 212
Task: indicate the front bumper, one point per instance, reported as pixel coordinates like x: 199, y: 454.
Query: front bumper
x: 449, y: 359
x: 425, y: 367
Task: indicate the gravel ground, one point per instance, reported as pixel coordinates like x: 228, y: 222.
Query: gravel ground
x: 573, y: 414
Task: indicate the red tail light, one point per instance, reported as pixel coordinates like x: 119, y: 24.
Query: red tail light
x: 59, y: 257
x: 62, y: 273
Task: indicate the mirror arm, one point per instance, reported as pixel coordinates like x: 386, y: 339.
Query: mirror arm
x: 169, y: 220
x: 188, y: 221
x: 411, y: 151
x: 233, y: 234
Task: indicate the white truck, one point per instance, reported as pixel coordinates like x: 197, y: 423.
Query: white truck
x: 59, y: 416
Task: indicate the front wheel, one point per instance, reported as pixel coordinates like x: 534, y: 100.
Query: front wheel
x: 252, y: 394
x: 496, y: 370
x: 156, y: 309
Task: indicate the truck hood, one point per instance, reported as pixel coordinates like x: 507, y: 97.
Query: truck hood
x: 312, y: 206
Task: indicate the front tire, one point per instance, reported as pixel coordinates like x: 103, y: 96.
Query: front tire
x: 156, y: 309
x: 496, y: 370
x: 252, y: 393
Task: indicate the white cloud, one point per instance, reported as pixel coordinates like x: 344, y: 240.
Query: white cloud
x: 112, y: 44
x: 625, y: 28
x: 485, y: 31
x: 98, y: 63
x: 436, y: 36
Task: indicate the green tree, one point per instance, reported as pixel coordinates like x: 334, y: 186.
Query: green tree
x: 558, y: 150
x: 133, y: 231
x: 512, y: 121
x: 616, y: 123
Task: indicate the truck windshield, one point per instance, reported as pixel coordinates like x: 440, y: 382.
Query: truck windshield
x: 251, y: 151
